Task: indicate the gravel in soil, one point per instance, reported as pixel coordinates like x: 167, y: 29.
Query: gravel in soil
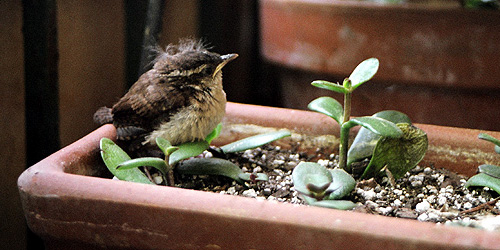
x: 425, y: 193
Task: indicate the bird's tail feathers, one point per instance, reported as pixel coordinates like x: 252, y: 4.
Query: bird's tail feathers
x: 103, y: 115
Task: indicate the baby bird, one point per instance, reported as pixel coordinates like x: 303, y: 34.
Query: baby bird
x: 180, y: 99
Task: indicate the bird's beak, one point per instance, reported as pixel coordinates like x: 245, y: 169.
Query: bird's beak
x: 225, y: 59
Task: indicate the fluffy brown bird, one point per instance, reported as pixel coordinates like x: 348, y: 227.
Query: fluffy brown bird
x: 180, y: 99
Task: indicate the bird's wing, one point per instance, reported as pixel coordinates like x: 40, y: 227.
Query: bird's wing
x: 150, y: 101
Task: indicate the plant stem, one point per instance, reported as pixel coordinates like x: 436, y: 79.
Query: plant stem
x: 169, y: 178
x: 344, y: 143
x: 344, y: 132
x: 347, y: 107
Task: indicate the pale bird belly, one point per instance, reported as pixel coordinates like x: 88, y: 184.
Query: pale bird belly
x: 188, y: 125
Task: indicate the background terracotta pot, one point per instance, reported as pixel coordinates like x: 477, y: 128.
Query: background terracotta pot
x: 439, y: 62
x: 69, y: 208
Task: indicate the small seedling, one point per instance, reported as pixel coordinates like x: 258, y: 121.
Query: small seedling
x: 331, y: 107
x: 323, y: 187
x: 124, y: 168
x: 387, y: 138
x: 380, y: 127
x: 489, y: 175
x: 113, y: 156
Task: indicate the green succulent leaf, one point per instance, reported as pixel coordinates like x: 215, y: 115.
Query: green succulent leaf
x: 328, y: 106
x: 165, y: 146
x: 365, y: 141
x: 342, y: 184
x: 214, y: 134
x: 170, y: 150
x: 398, y: 154
x: 393, y: 116
x: 484, y: 180
x: 163, y: 143
x: 364, y: 72
x: 316, y: 182
x: 307, y: 198
x: 491, y: 170
x: 154, y: 162
x: 491, y: 139
x: 309, y: 172
x: 210, y: 166
x: 335, y: 204
x: 330, y: 86
x: 113, y: 156
x: 376, y: 125
x: 254, y: 141
x: 187, y: 150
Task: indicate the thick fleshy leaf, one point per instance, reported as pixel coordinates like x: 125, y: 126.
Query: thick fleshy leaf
x: 317, y: 182
x: 335, y: 204
x: 364, y: 143
x: 210, y: 166
x: 328, y: 106
x: 154, y: 162
x: 398, y: 154
x: 214, y: 134
x: 165, y: 146
x: 484, y: 180
x: 308, y: 199
x: 393, y: 116
x: 376, y: 125
x: 254, y: 141
x: 342, y: 184
x: 187, y: 150
x: 307, y: 172
x: 364, y: 72
x: 163, y: 143
x: 491, y: 139
x: 491, y: 170
x: 330, y: 86
x: 113, y: 156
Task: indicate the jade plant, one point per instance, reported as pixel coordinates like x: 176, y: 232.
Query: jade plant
x: 489, y: 175
x: 381, y: 127
x: 176, y: 158
x: 323, y: 187
x: 387, y: 138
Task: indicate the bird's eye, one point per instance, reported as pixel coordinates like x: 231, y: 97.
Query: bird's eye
x: 207, y: 71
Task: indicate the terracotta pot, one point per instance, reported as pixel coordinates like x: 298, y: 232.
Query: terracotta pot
x: 70, y: 209
x: 432, y: 56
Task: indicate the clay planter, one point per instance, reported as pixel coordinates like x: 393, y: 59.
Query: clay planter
x: 431, y: 56
x: 70, y: 209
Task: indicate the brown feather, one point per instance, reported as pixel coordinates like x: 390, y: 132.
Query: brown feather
x: 103, y: 115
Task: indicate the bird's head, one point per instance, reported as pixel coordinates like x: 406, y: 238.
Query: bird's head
x: 192, y: 63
